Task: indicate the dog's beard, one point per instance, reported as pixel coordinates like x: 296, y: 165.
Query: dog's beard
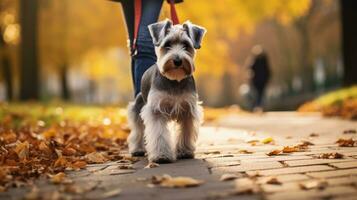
x: 172, y: 72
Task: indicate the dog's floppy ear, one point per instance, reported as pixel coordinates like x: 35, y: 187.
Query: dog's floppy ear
x: 195, y: 33
x: 159, y: 30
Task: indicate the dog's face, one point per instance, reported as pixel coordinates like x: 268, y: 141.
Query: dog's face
x: 175, y: 47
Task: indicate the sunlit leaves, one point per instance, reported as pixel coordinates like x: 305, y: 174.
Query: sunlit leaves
x: 225, y: 20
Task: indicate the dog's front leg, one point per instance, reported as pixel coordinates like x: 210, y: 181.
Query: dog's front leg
x: 157, y: 136
x: 136, y: 137
x: 189, y: 128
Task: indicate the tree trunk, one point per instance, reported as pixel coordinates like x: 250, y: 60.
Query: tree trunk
x: 7, y: 77
x: 29, y: 81
x: 349, y: 41
x: 6, y: 68
x: 64, y: 82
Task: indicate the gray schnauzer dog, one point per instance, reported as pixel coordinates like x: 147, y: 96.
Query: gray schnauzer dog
x: 168, y: 94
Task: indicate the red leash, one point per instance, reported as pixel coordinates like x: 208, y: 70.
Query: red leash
x: 174, y: 17
x: 137, y: 17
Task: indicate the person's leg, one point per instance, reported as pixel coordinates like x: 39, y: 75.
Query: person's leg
x: 145, y: 56
x: 128, y: 11
x: 260, y: 96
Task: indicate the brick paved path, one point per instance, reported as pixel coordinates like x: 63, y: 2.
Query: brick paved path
x: 220, y: 151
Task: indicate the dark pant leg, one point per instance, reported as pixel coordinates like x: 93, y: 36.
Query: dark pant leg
x: 128, y: 10
x: 145, y: 56
x: 260, y: 95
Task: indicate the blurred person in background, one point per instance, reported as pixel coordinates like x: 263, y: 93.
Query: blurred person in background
x: 143, y: 54
x: 260, y: 75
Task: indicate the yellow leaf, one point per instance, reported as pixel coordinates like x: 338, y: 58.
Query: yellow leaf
x: 176, y: 182
x: 22, y: 150
x: 95, y: 157
x: 267, y: 140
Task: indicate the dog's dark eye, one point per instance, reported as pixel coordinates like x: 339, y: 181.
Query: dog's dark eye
x: 167, y: 45
x: 186, y: 45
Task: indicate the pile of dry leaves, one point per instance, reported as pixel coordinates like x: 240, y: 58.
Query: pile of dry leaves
x: 341, y: 103
x: 30, y: 151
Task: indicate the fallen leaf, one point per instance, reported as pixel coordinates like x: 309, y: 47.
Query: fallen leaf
x: 80, y: 189
x: 228, y: 177
x: 152, y: 165
x: 79, y: 164
x: 307, y: 143
x: 60, y: 178
x: 58, y: 152
x: 69, y: 151
x: 245, y: 151
x: 346, y: 142
x: 314, y: 135
x: 253, y: 142
x: 95, y: 157
x: 273, y: 181
x: 274, y: 152
x: 267, y: 140
x: 49, y: 133
x: 61, y: 162
x: 43, y: 147
x: 8, y: 137
x: 22, y: 149
x: 290, y: 149
x: 330, y: 156
x: 175, y: 182
x: 350, y: 131
x: 111, y: 193
x: 212, y: 152
x: 314, y: 184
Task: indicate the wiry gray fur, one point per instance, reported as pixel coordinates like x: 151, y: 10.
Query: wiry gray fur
x: 168, y: 94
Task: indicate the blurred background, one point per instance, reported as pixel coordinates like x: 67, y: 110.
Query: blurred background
x: 77, y: 51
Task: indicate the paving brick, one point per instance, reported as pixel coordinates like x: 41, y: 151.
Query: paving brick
x: 343, y: 165
x: 335, y: 173
x: 312, y: 194
x: 295, y: 163
x: 270, y: 188
x: 237, y: 157
x: 249, y: 166
x: 277, y: 158
x: 342, y: 180
x: 346, y: 197
x: 284, y: 178
x: 223, y: 164
x: 291, y: 170
x: 347, y: 151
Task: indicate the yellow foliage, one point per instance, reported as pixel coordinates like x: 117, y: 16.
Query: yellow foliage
x: 224, y: 20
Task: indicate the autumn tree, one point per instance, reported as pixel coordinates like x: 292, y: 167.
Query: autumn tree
x: 9, y: 37
x: 29, y: 79
x: 225, y: 21
x: 349, y: 44
x: 71, y: 30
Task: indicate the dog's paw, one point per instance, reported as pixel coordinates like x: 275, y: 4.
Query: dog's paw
x: 185, y: 155
x: 162, y: 160
x: 138, y: 153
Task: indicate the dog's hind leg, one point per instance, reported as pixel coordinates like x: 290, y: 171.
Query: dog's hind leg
x: 187, y: 136
x: 136, y: 136
x: 157, y: 136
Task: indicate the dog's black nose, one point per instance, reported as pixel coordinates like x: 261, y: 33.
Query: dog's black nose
x: 177, y: 62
